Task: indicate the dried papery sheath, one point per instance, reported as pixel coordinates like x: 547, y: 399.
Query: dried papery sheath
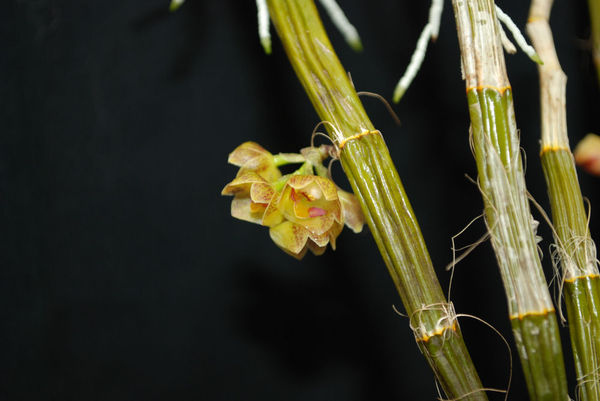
x: 495, y: 144
x: 375, y: 182
x: 575, y: 250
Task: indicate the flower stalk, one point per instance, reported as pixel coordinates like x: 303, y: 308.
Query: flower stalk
x: 375, y: 181
x: 495, y: 144
x: 575, y: 251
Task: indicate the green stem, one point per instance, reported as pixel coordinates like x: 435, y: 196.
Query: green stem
x: 495, y: 146
x: 376, y: 183
x: 576, y: 254
x: 575, y: 251
x: 583, y: 309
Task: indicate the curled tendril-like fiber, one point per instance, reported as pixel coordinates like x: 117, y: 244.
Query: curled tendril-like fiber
x: 334, y: 154
x: 454, y: 318
x: 447, y: 321
x: 591, y: 377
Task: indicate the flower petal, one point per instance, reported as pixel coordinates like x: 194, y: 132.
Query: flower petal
x: 261, y: 192
x: 316, y: 225
x: 272, y: 216
x: 246, y: 152
x: 351, y: 211
x: 290, y: 237
x: 240, y: 209
x: 250, y: 156
x: 336, y: 229
x: 258, y: 208
x: 328, y: 189
x: 316, y: 249
x: 264, y: 167
x: 301, y: 181
x: 242, y: 183
x: 286, y: 201
x: 320, y: 240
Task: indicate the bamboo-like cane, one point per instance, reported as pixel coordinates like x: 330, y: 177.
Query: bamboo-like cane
x: 594, y: 7
x: 575, y: 250
x: 376, y: 183
x: 495, y: 144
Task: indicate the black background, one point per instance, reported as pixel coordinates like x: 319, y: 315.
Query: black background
x: 124, y: 277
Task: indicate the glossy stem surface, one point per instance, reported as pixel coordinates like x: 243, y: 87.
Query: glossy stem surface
x: 574, y: 251
x: 375, y: 181
x: 495, y: 144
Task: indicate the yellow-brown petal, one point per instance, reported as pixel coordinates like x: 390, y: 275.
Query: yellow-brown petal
x: 316, y: 249
x: 241, y: 209
x: 328, y: 189
x: 335, y: 230
x: 299, y: 182
x: 246, y: 152
x: 258, y: 208
x: 264, y: 167
x: 316, y: 225
x: 261, y: 192
x: 242, y: 183
x: 290, y: 237
x: 286, y: 200
x: 351, y: 211
x: 273, y: 215
x: 321, y: 240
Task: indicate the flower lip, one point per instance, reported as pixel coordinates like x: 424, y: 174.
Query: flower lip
x: 316, y: 212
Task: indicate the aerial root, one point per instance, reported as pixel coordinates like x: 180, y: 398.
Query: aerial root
x: 430, y: 32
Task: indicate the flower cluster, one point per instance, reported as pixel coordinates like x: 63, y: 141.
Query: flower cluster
x: 303, y: 211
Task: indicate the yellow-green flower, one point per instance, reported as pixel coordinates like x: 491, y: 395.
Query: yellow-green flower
x: 303, y: 211
x: 307, y: 215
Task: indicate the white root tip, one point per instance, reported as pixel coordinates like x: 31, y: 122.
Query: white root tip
x: 518, y: 36
x: 175, y: 4
x: 263, y: 25
x: 342, y: 23
x: 430, y: 32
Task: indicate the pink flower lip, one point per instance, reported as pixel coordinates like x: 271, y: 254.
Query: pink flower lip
x: 316, y: 212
